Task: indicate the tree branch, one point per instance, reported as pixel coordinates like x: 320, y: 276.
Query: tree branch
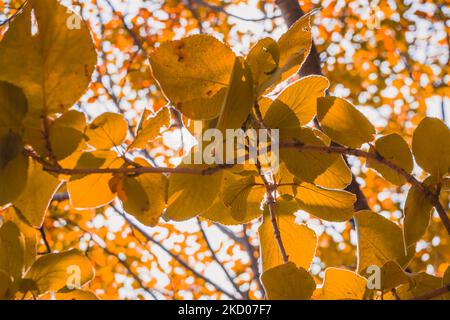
x: 433, y: 294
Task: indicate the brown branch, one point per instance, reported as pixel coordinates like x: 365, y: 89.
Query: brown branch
x: 273, y: 217
x: 433, y: 294
x: 432, y: 198
x: 44, y: 239
x: 430, y: 195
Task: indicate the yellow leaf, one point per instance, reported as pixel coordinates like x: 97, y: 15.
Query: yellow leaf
x: 76, y: 295
x: 194, y: 74
x: 338, y: 175
x: 446, y: 281
x: 220, y: 213
x: 330, y: 205
x: 341, y: 284
x: 263, y: 59
x: 13, y: 107
x: 343, y: 122
x: 145, y: 197
x: 239, y: 98
x: 392, y: 275
x: 287, y: 282
x: 41, y: 186
x: 297, y: 104
x: 12, y: 246
x: 379, y: 241
x: 150, y: 129
x: 417, y: 213
x: 6, y: 286
x: 53, y: 271
x: 29, y: 233
x: 13, y: 168
x: 107, y: 131
x: 243, y: 196
x: 431, y: 146
x: 394, y: 149
x: 50, y: 62
x: 299, y: 241
x: 421, y: 283
x: 191, y: 194
x: 305, y: 165
x: 67, y: 133
x: 92, y: 190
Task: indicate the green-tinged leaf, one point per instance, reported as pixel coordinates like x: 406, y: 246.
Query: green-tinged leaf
x: 394, y: 149
x: 379, y: 241
x: 431, y: 146
x: 297, y: 104
x: 341, y: 121
x: 92, y: 190
x: 194, y: 74
x: 107, y: 131
x: 54, y: 271
x: 243, y: 197
x: 12, y: 247
x: 341, y: 284
x: 41, y: 186
x: 13, y: 168
x: 287, y: 282
x: 299, y: 241
x: 67, y: 133
x: 50, y: 62
x: 150, y: 128
x: 13, y: 107
x: 239, y: 98
x: 330, y: 205
x: 305, y: 165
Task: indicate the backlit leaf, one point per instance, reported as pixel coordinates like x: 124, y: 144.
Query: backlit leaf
x: 13, y: 168
x: 107, y: 131
x: 194, y: 74
x: 287, y: 282
x: 341, y: 121
x: 431, y: 146
x: 394, y: 149
x: 341, y: 284
x: 52, y: 271
x: 299, y: 241
x: 53, y: 64
x: 41, y: 186
x: 239, y: 98
x: 67, y: 133
x: 330, y: 205
x: 297, y: 104
x: 12, y: 246
x: 379, y: 241
x: 92, y: 190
